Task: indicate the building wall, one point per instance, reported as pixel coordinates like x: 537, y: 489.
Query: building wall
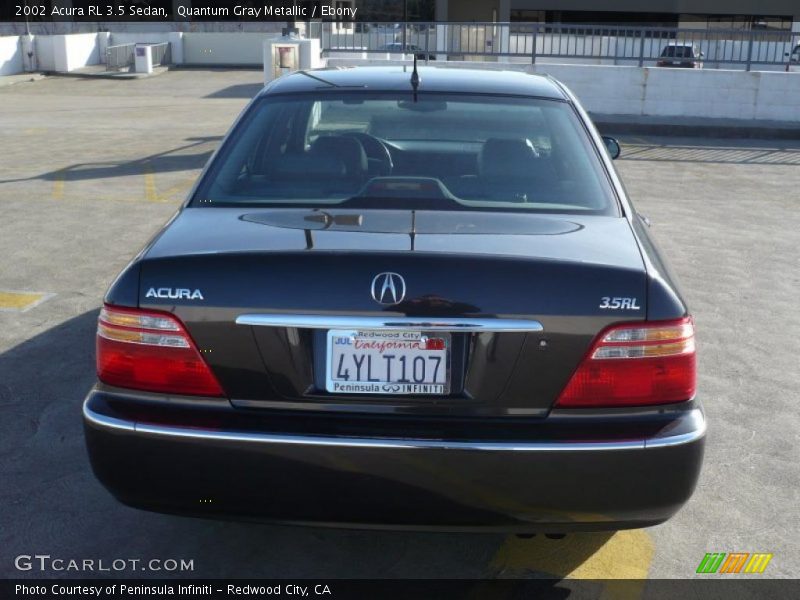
x: 75, y: 51
x: 10, y: 55
x: 473, y: 10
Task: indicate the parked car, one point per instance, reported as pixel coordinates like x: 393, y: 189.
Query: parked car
x: 408, y: 300
x: 686, y: 56
x: 794, y: 60
x: 399, y: 48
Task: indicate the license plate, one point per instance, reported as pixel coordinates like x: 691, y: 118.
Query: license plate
x: 387, y: 362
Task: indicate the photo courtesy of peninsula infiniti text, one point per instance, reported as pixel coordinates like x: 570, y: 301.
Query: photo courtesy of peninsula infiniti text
x: 402, y: 298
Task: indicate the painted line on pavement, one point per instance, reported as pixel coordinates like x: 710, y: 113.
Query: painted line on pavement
x: 21, y: 301
x: 618, y: 556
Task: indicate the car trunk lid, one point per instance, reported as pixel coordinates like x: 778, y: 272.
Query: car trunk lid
x: 551, y: 270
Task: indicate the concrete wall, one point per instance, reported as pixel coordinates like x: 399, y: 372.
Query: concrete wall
x: 64, y: 27
x: 225, y: 48
x: 75, y: 51
x: 202, y: 48
x: 45, y: 52
x: 473, y: 10
x: 10, y: 55
x: 650, y: 91
x: 64, y: 53
x: 175, y: 38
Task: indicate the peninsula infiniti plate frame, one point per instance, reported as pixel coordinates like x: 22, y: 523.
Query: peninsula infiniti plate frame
x: 408, y: 370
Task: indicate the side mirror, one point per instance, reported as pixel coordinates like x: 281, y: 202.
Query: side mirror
x: 613, y: 147
x: 702, y: 54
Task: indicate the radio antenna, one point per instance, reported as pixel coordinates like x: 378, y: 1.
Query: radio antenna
x: 415, y: 78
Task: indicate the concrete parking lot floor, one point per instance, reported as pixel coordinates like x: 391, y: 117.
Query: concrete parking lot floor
x: 91, y: 168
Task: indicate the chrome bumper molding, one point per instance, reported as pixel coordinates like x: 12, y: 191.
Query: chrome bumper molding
x: 469, y: 325
x: 102, y: 421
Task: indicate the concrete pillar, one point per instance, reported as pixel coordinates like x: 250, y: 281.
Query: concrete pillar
x: 441, y: 29
x: 175, y: 38
x: 301, y: 53
x: 504, y: 30
x: 103, y: 41
x: 440, y: 10
x: 504, y: 11
x: 29, y: 62
x: 60, y: 54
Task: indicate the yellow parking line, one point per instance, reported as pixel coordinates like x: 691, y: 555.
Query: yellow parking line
x: 623, y: 555
x: 150, y: 193
x: 21, y: 301
x: 180, y: 188
x: 627, y: 555
x: 58, y: 185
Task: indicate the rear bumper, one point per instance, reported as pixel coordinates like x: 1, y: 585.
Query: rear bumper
x: 396, y: 483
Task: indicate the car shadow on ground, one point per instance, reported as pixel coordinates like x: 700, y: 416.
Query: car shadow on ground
x: 241, y: 90
x: 175, y: 159
x: 52, y: 503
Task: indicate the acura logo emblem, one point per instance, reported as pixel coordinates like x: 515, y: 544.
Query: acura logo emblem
x: 388, y: 288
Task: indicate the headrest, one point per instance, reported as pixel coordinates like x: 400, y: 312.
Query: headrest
x: 346, y: 149
x: 501, y: 157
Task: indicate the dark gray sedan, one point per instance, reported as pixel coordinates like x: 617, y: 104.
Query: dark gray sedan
x: 403, y: 299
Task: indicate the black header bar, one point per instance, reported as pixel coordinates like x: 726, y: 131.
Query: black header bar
x: 740, y: 588
x: 253, y: 11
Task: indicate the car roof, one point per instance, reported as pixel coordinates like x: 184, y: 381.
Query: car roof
x: 432, y: 79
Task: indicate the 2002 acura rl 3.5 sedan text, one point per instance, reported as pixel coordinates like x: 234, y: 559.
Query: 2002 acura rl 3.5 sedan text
x: 402, y: 298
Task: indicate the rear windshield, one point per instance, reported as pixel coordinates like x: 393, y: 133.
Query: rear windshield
x: 678, y: 51
x: 438, y: 152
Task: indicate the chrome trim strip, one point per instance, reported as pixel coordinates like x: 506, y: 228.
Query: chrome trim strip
x: 100, y: 420
x: 478, y: 324
x: 396, y: 443
x: 698, y: 431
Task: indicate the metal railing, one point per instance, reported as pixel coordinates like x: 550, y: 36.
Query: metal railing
x: 162, y: 54
x: 588, y: 44
x: 119, y: 56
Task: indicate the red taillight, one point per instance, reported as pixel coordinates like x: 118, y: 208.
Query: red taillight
x: 147, y: 350
x: 634, y: 365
